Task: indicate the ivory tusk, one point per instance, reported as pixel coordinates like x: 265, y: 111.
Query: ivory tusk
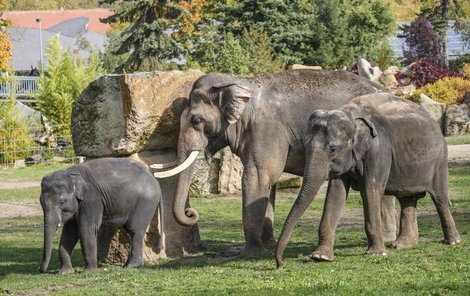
x: 191, y: 158
x: 163, y: 165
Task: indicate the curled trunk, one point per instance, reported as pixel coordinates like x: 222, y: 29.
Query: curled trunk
x: 315, y: 173
x: 50, y: 227
x: 183, y: 215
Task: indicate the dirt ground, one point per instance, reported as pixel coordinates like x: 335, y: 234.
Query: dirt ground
x: 458, y: 154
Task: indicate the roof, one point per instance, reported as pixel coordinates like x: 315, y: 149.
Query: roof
x: 26, y: 50
x: 52, y: 18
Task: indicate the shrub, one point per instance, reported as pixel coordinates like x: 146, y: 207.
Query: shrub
x: 423, y: 43
x: 447, y: 90
x: 457, y: 64
x: 424, y: 72
x: 466, y: 70
x: 15, y: 136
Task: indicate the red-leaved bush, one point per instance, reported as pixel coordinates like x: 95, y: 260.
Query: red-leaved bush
x: 422, y: 73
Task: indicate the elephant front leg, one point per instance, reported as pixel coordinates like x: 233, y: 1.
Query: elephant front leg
x: 256, y: 196
x: 334, y: 203
x: 88, y: 241
x: 371, y: 199
x: 68, y: 240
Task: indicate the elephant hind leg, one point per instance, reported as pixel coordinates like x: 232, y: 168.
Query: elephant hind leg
x: 408, y: 234
x: 442, y: 203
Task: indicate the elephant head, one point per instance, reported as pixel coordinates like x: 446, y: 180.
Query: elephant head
x: 60, y: 194
x: 336, y: 144
x: 217, y: 102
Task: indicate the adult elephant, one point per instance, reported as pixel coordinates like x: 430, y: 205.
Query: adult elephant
x: 377, y: 144
x: 264, y: 121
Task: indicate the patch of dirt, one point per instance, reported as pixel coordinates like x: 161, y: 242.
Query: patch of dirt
x: 15, y: 209
x: 14, y: 185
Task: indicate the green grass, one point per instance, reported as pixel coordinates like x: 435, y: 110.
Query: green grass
x: 431, y: 268
x: 31, y: 173
x: 458, y: 140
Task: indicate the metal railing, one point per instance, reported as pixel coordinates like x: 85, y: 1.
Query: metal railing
x: 19, y: 86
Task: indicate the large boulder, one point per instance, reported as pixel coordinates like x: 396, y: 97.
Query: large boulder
x: 457, y: 120
x: 137, y: 115
x: 118, y: 115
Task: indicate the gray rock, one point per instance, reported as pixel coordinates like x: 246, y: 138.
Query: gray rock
x: 231, y: 170
x: 366, y: 70
x: 457, y: 120
x: 435, y: 109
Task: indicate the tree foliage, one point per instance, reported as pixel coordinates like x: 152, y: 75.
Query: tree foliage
x: 5, y: 49
x: 15, y: 134
x: 157, y: 32
x: 329, y: 33
x: 63, y: 80
x: 423, y: 43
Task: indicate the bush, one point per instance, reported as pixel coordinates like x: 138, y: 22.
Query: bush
x: 424, y: 72
x: 423, y: 43
x: 457, y: 64
x: 447, y: 90
x: 15, y: 136
x: 466, y: 70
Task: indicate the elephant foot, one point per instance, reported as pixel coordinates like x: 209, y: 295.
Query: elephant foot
x: 66, y: 270
x: 453, y: 240
x: 405, y: 242
x: 90, y: 269
x: 270, y: 244
x: 323, y: 254
x: 133, y: 264
x: 376, y: 251
x: 254, y: 251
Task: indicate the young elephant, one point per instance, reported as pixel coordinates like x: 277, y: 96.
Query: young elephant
x: 376, y: 144
x: 102, y: 191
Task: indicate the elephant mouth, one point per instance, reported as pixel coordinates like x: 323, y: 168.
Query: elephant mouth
x: 175, y: 170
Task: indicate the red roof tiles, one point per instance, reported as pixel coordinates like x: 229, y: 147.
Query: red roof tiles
x: 50, y: 18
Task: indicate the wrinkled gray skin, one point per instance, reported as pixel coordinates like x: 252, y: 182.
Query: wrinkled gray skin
x: 375, y: 144
x: 264, y: 121
x: 115, y: 191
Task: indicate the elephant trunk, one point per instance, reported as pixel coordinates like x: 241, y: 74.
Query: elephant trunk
x: 50, y: 227
x: 184, y: 215
x: 316, y: 171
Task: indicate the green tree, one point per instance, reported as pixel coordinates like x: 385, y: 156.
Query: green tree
x: 15, y: 134
x: 329, y: 33
x: 63, y: 80
x: 257, y: 46
x: 231, y: 58
x: 151, y: 35
x: 287, y: 22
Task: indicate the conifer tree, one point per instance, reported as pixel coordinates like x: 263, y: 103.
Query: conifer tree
x: 157, y: 31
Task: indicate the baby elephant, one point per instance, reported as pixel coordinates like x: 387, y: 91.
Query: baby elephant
x: 116, y: 191
x: 376, y: 144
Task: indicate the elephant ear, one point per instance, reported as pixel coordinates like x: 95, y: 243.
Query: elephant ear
x: 314, y: 117
x: 78, y: 185
x: 233, y: 99
x: 365, y: 133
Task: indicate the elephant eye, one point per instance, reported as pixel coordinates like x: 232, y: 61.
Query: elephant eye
x: 334, y: 149
x: 195, y: 120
